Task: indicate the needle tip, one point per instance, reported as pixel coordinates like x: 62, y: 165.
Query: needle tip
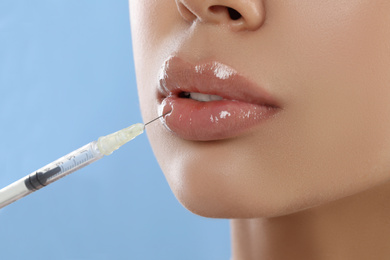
x: 158, y: 118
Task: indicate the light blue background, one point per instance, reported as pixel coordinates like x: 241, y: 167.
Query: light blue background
x: 66, y: 78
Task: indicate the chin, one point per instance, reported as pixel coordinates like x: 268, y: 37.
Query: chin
x: 213, y: 194
x: 221, y: 204
x: 208, y: 203
x: 236, y: 178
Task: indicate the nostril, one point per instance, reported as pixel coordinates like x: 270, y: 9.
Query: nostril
x: 234, y: 15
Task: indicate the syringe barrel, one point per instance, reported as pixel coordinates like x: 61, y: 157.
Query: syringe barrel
x: 64, y: 166
x: 50, y: 173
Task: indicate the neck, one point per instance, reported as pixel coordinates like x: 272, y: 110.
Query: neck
x: 356, y: 227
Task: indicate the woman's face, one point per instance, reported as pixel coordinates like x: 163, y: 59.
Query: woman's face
x: 305, y: 112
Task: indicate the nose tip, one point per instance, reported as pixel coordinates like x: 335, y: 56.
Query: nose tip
x: 239, y: 15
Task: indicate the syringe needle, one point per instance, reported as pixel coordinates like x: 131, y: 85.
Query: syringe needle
x: 158, y: 117
x: 69, y: 163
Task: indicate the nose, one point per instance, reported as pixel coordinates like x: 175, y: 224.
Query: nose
x: 239, y: 15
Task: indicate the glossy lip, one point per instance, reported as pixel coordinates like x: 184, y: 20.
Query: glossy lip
x: 244, y: 104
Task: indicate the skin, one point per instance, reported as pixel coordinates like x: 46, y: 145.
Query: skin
x: 312, y: 182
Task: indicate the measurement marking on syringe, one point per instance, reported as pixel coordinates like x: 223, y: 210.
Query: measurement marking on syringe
x: 72, y: 163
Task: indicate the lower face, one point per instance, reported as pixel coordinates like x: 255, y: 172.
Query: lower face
x: 327, y: 63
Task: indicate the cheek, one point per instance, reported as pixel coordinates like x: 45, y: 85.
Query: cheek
x: 152, y: 23
x: 338, y: 137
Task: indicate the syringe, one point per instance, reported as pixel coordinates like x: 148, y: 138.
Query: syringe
x: 69, y: 163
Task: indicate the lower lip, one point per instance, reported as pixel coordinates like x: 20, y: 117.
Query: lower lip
x: 215, y: 120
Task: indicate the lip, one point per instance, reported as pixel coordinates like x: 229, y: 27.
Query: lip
x: 244, y: 104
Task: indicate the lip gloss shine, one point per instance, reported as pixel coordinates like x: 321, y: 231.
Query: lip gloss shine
x: 242, y: 104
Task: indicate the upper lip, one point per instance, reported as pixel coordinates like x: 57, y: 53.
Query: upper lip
x: 178, y: 76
